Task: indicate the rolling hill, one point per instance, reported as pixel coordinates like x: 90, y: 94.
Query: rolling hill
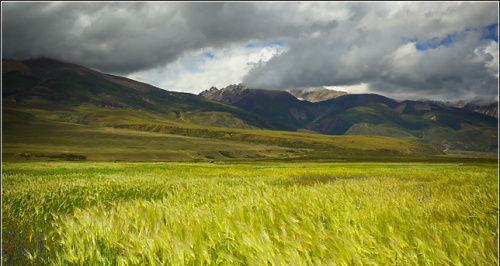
x: 58, y: 111
x: 56, y: 86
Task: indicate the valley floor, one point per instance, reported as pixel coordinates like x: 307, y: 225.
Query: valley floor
x: 106, y: 213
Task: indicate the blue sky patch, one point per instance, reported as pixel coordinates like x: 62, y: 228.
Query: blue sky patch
x: 490, y: 32
x: 279, y: 43
x: 209, y: 55
x: 275, y: 43
x: 435, y: 42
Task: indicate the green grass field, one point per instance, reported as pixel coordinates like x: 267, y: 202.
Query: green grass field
x: 102, y: 213
x: 35, y: 134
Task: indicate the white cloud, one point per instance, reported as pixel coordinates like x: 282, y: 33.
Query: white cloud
x: 197, y: 71
x: 357, y: 88
x: 490, y: 54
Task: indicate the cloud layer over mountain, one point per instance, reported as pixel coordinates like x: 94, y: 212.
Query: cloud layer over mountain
x: 447, y: 50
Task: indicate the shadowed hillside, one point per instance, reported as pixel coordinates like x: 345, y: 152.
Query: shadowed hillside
x: 54, y: 86
x: 447, y: 127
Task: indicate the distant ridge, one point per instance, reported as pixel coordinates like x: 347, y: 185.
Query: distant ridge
x: 489, y: 108
x: 445, y: 126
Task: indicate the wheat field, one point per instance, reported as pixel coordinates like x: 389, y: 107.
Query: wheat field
x: 84, y: 213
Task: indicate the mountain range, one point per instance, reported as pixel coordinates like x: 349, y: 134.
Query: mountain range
x: 479, y: 106
x: 53, y: 85
x: 444, y: 125
x: 51, y: 106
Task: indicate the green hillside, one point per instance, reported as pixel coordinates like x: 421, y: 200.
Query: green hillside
x: 367, y: 114
x: 55, y: 86
x: 448, y: 128
x: 34, y: 134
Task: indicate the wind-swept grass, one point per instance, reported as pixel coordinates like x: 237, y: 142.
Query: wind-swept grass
x: 255, y: 213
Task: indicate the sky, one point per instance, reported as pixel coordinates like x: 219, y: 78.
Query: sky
x: 404, y: 50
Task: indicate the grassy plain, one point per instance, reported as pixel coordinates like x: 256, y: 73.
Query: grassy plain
x: 76, y: 213
x: 35, y: 134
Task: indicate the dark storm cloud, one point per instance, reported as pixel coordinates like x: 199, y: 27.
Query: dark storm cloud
x: 395, y: 48
x: 468, y: 67
x: 127, y: 37
x: 110, y: 37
